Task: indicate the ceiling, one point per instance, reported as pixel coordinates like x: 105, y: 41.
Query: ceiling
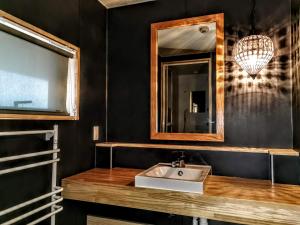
x: 188, y: 38
x: 118, y: 3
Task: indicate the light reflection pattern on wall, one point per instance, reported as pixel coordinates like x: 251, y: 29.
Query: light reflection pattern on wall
x: 295, y: 31
x: 295, y: 53
x: 272, y: 84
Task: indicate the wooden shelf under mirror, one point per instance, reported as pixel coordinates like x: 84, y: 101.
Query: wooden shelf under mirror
x: 271, y: 151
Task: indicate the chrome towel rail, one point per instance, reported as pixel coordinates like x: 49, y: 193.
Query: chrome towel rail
x: 34, y: 200
x: 48, y: 133
x: 29, y: 166
x: 57, y: 210
x: 16, y: 157
x: 28, y: 132
x: 54, y: 188
x: 25, y: 215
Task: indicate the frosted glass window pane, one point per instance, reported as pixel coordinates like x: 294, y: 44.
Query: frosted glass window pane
x: 32, y: 78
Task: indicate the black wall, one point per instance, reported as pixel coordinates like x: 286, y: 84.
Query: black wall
x: 256, y: 115
x: 296, y: 71
x: 82, y: 23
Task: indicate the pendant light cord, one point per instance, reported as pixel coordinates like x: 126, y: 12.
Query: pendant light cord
x: 252, y: 16
x: 186, y: 8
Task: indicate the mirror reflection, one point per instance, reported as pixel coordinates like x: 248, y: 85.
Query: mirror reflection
x: 187, y: 79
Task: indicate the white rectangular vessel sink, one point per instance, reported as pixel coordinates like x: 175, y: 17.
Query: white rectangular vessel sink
x: 163, y: 176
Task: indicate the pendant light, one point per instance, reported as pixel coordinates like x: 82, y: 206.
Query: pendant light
x: 253, y: 52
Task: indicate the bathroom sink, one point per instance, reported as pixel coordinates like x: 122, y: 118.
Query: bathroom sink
x: 163, y: 176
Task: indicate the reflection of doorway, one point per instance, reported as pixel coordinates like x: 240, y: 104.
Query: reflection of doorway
x: 186, y: 96
x: 198, y: 101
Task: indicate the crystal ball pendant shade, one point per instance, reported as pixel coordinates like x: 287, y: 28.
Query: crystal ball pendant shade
x: 253, y: 53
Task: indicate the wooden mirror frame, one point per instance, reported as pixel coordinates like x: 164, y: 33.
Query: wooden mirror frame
x: 219, y: 135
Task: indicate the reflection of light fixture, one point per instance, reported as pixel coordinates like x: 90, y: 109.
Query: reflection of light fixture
x: 203, y: 29
x: 253, y: 52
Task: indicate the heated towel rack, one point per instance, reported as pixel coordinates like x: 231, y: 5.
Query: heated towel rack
x: 55, y: 190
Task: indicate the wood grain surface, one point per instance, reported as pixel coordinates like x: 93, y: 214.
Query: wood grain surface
x: 118, y: 3
x: 229, y: 199
x: 154, y: 86
x: 93, y: 220
x: 277, y: 151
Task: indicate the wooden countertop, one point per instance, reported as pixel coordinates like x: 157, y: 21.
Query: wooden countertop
x: 229, y: 199
x: 271, y: 151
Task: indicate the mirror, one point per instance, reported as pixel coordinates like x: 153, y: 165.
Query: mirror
x: 187, y: 79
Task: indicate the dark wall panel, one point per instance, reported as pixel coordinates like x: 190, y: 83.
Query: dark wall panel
x: 256, y: 113
x: 83, y: 23
x: 223, y: 163
x: 254, y: 116
x: 134, y: 215
x: 296, y: 71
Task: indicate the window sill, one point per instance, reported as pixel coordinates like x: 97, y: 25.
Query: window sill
x: 36, y: 117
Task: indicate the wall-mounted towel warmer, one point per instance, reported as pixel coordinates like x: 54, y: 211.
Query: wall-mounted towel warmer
x: 55, y: 190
